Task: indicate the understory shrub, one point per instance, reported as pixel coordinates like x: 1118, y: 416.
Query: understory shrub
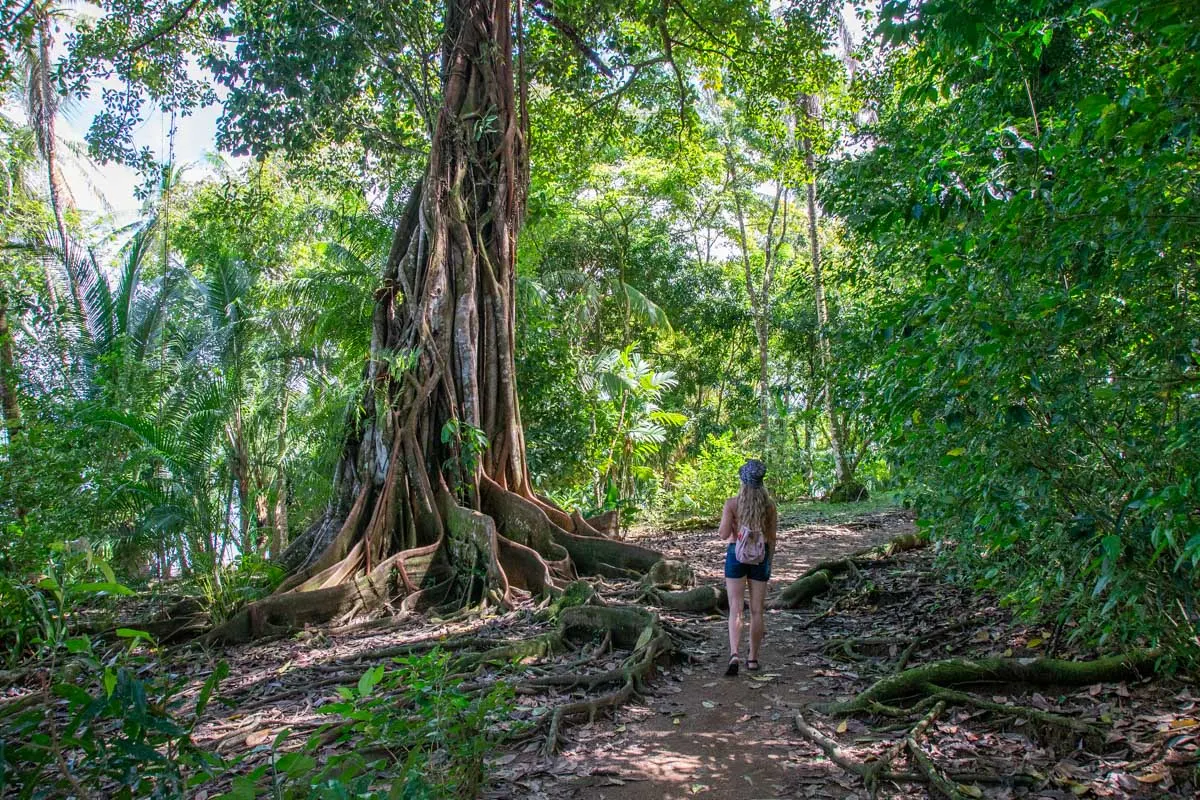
x: 702, y: 484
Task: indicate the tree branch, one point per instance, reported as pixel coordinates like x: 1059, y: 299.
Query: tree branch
x: 573, y: 37
x: 165, y: 28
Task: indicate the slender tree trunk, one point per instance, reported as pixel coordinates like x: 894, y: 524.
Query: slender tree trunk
x: 764, y: 398
x: 760, y: 296
x: 9, y: 403
x: 46, y: 128
x: 446, y: 311
x: 241, y: 476
x: 843, y: 472
x: 278, y: 508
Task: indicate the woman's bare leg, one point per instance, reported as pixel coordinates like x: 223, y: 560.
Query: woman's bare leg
x: 735, y: 589
x: 758, y: 626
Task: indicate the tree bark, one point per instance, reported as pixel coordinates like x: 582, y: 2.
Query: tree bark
x: 416, y: 505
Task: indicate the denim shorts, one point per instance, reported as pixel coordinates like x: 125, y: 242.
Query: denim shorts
x: 755, y: 572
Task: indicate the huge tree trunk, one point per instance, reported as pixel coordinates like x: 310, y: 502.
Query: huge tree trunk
x: 415, y: 506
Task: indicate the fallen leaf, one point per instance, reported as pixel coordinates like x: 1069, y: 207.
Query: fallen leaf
x: 708, y: 704
x: 981, y: 636
x: 258, y: 737
x: 1150, y: 777
x: 1176, y: 724
x: 844, y: 726
x: 970, y: 790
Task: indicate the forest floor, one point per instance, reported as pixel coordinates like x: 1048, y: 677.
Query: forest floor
x: 693, y: 732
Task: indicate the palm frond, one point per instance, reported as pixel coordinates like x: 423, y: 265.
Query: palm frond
x: 645, y: 309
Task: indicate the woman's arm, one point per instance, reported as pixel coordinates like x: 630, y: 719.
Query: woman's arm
x: 725, y: 532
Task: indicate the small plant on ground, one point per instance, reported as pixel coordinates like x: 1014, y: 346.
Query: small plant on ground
x: 413, y: 732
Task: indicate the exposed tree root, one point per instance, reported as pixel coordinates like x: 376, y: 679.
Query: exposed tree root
x: 608, y: 523
x: 801, y: 591
x: 515, y: 546
x: 875, y: 772
x: 632, y: 628
x: 1034, y: 715
x: 818, y: 579
x: 695, y: 601
x: 850, y: 648
x: 830, y: 747
x: 1035, y: 671
x: 669, y: 574
x: 937, y: 781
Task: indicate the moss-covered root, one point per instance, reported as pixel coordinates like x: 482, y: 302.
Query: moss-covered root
x: 1034, y: 671
x: 803, y: 590
x: 696, y: 601
x: 670, y: 574
x: 575, y: 593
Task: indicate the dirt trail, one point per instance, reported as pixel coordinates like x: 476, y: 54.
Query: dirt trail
x: 701, y: 734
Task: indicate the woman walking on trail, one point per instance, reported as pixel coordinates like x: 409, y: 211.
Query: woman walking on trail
x: 748, y: 524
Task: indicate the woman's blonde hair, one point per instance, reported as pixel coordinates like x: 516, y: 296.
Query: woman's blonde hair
x: 752, y: 505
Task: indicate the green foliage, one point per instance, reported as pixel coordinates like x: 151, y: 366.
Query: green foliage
x: 127, y: 734
x: 1023, y: 217
x: 99, y: 721
x: 226, y: 589
x: 413, y: 733
x: 34, y: 611
x: 125, y: 725
x: 702, y: 484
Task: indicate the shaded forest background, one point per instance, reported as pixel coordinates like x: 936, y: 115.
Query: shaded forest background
x: 953, y: 262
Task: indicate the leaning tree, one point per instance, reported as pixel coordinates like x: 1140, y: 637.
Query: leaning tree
x: 432, y: 497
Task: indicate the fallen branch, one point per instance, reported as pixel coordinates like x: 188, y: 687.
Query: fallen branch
x: 873, y: 770
x: 831, y: 748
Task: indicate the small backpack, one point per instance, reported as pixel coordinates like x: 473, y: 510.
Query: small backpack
x: 751, y: 546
